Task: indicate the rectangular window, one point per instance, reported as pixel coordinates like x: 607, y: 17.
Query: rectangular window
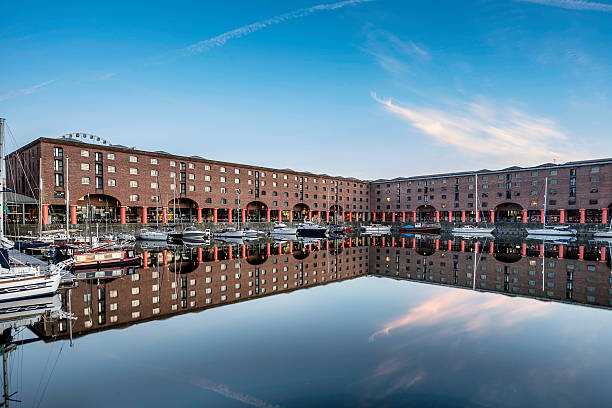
x: 154, y: 173
x: 134, y: 197
x: 85, y: 180
x: 111, y: 182
x: 133, y: 184
x: 85, y: 166
x: 154, y: 161
x: 110, y: 156
x: 58, y: 165
x: 84, y: 153
x: 111, y: 169
x: 133, y: 170
x: 58, y: 152
x: 133, y: 159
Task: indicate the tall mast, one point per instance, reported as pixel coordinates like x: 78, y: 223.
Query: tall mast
x: 545, y: 194
x: 1, y: 177
x: 477, y: 212
x: 67, y: 201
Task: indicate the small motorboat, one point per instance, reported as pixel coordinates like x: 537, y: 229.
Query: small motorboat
x: 560, y: 231
x: 253, y: 233
x: 96, y: 258
x: 229, y: 232
x: 473, y: 231
x: 280, y: 229
x: 422, y: 227
x: 376, y: 229
x: 192, y: 233
x: 311, y: 229
x: 152, y: 235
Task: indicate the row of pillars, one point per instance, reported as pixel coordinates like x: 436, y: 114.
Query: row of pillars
x: 346, y: 216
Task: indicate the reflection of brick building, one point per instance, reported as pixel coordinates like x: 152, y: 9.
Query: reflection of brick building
x: 574, y: 274
x: 194, y: 281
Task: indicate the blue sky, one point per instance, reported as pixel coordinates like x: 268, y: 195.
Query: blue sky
x: 358, y: 88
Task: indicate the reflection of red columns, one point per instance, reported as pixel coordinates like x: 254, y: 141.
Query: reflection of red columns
x: 145, y: 259
x: 525, y: 217
x: 437, y: 244
x: 403, y: 242
x: 229, y: 215
x: 437, y: 216
x: 581, y: 252
x: 244, y: 218
x: 374, y: 217
x: 200, y: 259
x: 462, y: 246
x: 491, y: 247
x: 492, y: 216
x: 450, y: 245
x: 280, y: 249
x: 542, y: 216
x: 602, y: 252
x: 319, y: 245
x: 393, y: 241
x: 290, y: 216
x: 73, y: 214
x: 216, y: 254
x: 450, y: 216
x: 144, y: 215
x: 268, y: 215
x: 215, y: 216
x: 393, y: 216
x: 383, y: 217
x: 403, y: 216
x: 342, y: 216
x: 244, y: 253
x: 414, y: 216
x: 164, y: 215
x: 290, y: 247
x: 524, y: 250
x: 383, y: 241
x: 463, y: 216
x: 342, y: 243
x: 268, y: 249
x: 477, y: 215
x: 165, y: 257
x: 541, y: 250
x: 560, y: 251
x: 604, y: 215
x: 280, y: 215
x: 199, y: 215
x: 122, y: 214
x: 45, y: 214
x: 230, y: 252
x: 326, y: 245
x: 476, y: 249
x: 562, y: 216
x: 309, y: 215
x: 413, y: 243
x: 326, y: 216
x: 582, y: 216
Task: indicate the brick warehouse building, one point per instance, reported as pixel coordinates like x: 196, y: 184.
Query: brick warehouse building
x: 126, y: 185
x: 129, y: 185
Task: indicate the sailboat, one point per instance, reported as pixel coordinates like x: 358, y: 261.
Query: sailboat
x: 560, y: 231
x: 472, y: 230
x: 20, y: 280
x: 154, y: 235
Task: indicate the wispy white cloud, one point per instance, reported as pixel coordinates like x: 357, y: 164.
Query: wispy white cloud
x: 25, y: 91
x: 222, y: 39
x: 573, y: 4
x: 392, y: 53
x: 501, y: 133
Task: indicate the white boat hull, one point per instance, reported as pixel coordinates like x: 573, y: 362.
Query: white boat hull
x: 153, y: 236
x: 13, y: 289
x: 473, y: 231
x: 604, y: 234
x: 383, y: 230
x: 551, y: 232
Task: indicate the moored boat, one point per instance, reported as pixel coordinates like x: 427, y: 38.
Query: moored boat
x: 422, y: 227
x: 376, y: 229
x: 311, y: 229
